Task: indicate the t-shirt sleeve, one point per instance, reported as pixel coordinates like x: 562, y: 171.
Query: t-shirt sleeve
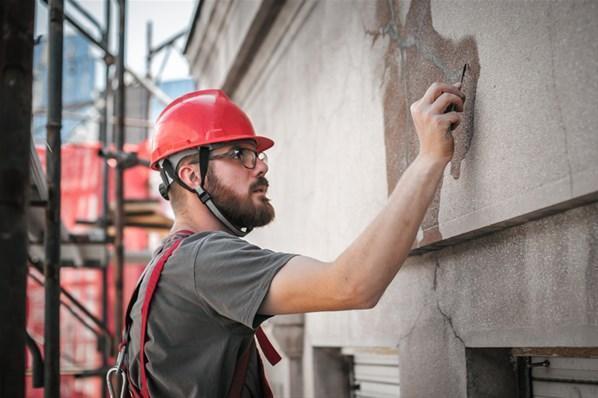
x: 234, y: 276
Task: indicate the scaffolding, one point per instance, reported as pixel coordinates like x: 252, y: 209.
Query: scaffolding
x: 35, y: 242
x: 16, y: 78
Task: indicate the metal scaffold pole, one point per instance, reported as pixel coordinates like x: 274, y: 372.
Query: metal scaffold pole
x: 119, y: 186
x: 16, y: 76
x: 148, y: 71
x: 106, y: 346
x: 52, y: 235
x: 149, y: 28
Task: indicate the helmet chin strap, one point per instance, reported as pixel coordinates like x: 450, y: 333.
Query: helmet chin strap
x: 206, y: 199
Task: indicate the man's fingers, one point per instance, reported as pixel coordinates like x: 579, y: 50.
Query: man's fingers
x: 436, y: 90
x: 442, y: 103
x: 452, y: 119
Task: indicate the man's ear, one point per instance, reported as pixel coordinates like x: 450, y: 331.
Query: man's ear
x: 189, y: 175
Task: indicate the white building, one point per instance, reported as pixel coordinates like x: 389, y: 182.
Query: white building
x: 505, y: 269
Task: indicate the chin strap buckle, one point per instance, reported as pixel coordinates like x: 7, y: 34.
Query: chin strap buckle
x: 165, y: 185
x: 203, y: 196
x: 163, y: 189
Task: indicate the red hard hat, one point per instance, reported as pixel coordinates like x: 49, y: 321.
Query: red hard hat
x: 201, y: 118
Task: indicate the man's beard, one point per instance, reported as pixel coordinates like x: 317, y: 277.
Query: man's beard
x: 241, y: 212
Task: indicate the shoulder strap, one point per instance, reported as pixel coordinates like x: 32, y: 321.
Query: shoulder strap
x: 152, y: 284
x: 125, y: 332
x: 266, y: 390
x: 240, y: 374
x: 267, y: 348
x: 149, y: 295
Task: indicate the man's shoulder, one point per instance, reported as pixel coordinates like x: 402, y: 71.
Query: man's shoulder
x: 201, y: 244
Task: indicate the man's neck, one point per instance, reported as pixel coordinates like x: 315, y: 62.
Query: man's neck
x: 196, y: 217
x: 197, y: 225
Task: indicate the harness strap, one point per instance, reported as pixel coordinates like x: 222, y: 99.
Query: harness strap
x: 240, y: 375
x: 149, y: 294
x: 267, y: 348
x: 266, y: 390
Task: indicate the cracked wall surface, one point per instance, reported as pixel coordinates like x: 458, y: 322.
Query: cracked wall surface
x: 332, y: 83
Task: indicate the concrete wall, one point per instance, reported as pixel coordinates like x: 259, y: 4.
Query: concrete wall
x: 514, y: 222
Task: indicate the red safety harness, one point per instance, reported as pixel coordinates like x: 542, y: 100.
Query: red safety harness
x: 121, y: 369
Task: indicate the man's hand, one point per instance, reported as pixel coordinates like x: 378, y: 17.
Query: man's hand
x: 431, y: 122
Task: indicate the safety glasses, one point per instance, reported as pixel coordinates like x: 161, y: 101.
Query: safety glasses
x: 247, y: 157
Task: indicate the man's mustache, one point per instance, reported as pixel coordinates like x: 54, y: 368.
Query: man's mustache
x: 261, y: 182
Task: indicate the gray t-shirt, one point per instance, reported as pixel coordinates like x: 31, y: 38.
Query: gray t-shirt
x: 202, y: 316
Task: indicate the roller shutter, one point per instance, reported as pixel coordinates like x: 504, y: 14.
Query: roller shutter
x: 563, y: 377
x: 375, y: 373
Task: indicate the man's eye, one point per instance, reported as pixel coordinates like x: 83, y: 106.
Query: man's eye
x: 237, y: 154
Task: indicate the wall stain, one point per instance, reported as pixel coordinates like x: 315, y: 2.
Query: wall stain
x: 415, y: 57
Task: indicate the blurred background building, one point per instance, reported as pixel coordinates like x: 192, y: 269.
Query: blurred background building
x: 79, y: 89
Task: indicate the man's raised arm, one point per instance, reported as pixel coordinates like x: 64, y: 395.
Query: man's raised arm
x: 359, y: 276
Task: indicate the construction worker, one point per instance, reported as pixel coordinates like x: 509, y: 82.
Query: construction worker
x: 191, y: 325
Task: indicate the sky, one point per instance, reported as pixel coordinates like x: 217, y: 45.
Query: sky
x: 168, y: 16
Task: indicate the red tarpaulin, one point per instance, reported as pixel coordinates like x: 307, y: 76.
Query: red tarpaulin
x: 81, y: 199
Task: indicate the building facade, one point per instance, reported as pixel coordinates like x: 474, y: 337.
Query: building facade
x: 500, y: 295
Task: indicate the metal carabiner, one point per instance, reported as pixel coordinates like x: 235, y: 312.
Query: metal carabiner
x: 117, y: 369
x: 123, y: 386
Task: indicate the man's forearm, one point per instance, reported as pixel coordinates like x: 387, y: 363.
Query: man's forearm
x: 374, y: 258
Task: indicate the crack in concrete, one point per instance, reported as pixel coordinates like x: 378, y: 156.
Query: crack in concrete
x: 446, y: 317
x: 434, y: 285
x: 449, y: 320
x: 436, y: 268
x: 560, y: 118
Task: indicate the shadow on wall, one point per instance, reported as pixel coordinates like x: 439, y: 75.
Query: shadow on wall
x: 416, y: 57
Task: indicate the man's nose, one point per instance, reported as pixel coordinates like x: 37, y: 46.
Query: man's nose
x: 261, y: 167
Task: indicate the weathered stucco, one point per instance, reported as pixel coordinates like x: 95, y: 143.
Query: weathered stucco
x: 332, y: 83
x: 417, y: 55
x: 534, y: 285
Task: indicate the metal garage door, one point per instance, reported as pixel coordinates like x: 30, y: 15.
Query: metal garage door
x: 375, y: 373
x: 565, y: 377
